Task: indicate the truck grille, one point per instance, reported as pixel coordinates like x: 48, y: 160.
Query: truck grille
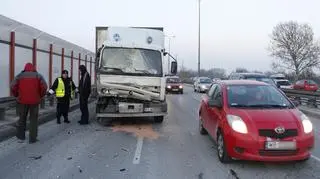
x: 272, y: 134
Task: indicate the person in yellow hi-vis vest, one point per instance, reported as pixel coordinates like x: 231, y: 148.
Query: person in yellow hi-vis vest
x: 64, y: 90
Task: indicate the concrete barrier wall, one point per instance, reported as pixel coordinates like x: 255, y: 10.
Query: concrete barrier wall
x: 20, y: 44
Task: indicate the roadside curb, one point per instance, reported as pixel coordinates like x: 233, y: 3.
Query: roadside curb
x: 9, y: 130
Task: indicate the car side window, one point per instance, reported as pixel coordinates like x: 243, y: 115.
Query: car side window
x: 212, y: 89
x: 217, y: 93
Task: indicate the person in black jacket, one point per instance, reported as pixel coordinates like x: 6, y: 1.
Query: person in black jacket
x: 84, y: 91
x: 64, y: 93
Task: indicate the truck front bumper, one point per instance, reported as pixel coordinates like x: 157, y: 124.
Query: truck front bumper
x: 132, y: 110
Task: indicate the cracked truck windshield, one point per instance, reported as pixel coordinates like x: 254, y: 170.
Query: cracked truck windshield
x: 141, y: 89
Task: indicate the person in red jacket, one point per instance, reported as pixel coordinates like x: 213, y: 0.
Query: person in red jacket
x: 29, y: 87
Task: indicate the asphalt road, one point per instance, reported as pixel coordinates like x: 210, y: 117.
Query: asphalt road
x: 138, y: 149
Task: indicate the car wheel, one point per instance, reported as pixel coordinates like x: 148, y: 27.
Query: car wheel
x: 181, y: 92
x: 221, y: 149
x: 158, y: 119
x: 202, y: 130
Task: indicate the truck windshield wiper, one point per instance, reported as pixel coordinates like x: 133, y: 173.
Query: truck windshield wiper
x: 113, y: 68
x: 144, y: 71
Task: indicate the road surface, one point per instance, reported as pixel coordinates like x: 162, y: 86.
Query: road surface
x: 138, y: 149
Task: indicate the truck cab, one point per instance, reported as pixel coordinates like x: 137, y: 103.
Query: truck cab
x: 130, y: 75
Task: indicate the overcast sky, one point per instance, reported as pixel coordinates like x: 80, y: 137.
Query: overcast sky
x: 234, y: 33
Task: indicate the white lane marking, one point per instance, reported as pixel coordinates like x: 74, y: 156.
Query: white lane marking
x: 137, y: 155
x: 316, y: 158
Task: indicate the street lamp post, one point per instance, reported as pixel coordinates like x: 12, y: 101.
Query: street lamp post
x: 199, y: 43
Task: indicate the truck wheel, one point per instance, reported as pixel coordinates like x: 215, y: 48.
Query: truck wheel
x: 158, y: 119
x: 106, y: 121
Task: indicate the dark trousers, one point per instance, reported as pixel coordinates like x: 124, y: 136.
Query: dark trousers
x: 24, y: 110
x: 84, y: 111
x: 63, y: 109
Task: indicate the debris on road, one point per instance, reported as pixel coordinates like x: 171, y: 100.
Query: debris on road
x: 69, y: 158
x: 115, y: 156
x: 122, y: 170
x: 233, y: 173
x: 80, y: 170
x: 140, y: 130
x: 200, y: 176
x: 124, y: 149
x: 36, y: 157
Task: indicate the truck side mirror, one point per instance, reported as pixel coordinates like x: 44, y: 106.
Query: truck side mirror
x: 174, y: 67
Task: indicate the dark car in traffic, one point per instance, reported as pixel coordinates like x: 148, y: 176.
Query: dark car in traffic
x: 174, y: 85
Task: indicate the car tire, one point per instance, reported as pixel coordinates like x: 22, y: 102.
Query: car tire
x: 202, y: 130
x: 181, y: 92
x: 221, y: 149
x: 158, y: 119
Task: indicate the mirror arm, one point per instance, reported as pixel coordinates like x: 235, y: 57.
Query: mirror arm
x: 172, y: 57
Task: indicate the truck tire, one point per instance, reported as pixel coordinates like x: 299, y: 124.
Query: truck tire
x: 105, y: 121
x: 158, y: 119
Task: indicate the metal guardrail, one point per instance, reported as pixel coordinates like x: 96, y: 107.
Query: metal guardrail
x: 304, y: 97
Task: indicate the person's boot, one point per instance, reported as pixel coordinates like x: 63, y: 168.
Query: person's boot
x: 31, y: 141
x: 66, y: 120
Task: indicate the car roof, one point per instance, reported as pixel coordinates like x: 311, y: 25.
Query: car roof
x: 242, y: 82
x: 253, y: 74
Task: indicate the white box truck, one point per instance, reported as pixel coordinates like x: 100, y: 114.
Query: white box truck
x: 130, y: 74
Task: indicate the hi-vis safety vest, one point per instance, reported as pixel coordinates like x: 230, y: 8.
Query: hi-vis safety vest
x: 60, y: 91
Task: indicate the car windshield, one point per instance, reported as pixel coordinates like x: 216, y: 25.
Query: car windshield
x: 126, y: 61
x: 284, y: 83
x: 206, y: 80
x: 256, y: 96
x: 173, y: 80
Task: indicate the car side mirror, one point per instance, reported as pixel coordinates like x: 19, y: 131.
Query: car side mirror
x: 215, y: 103
x: 165, y: 53
x: 174, y: 67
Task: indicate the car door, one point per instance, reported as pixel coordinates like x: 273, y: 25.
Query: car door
x: 214, y: 113
x: 205, y: 112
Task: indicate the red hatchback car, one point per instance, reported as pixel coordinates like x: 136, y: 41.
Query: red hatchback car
x: 307, y: 85
x: 251, y: 120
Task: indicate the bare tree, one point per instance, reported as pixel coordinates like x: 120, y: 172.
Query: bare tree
x: 294, y: 47
x: 241, y: 70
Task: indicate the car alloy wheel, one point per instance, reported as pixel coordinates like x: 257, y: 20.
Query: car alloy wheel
x: 220, y: 146
x: 221, y: 149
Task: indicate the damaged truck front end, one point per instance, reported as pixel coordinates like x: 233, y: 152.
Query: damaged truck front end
x: 129, y: 73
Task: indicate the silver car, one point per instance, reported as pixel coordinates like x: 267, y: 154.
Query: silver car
x: 202, y: 84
